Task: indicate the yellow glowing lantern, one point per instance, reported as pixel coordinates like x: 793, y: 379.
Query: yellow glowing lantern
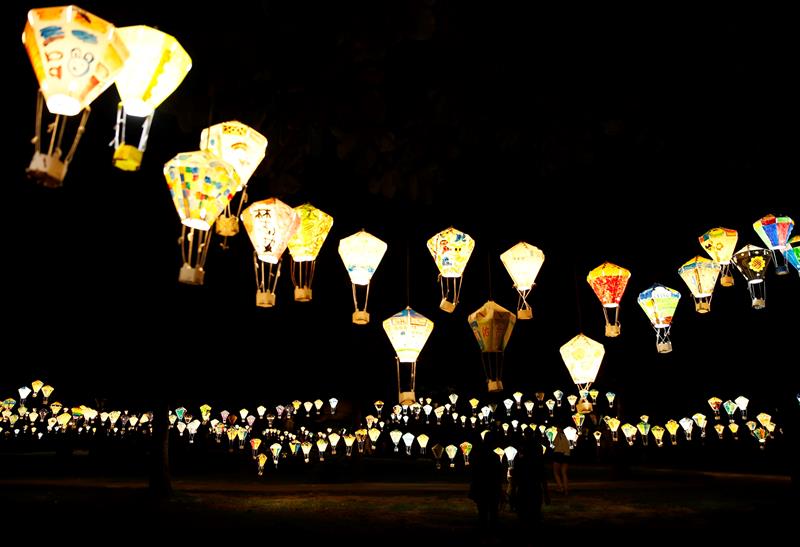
x: 752, y: 263
x: 244, y: 148
x: 451, y: 451
x: 608, y: 281
x: 407, y: 331
x: 305, y: 246
x: 720, y: 243
x: 658, y: 433
x: 583, y: 357
x: 270, y: 223
x: 200, y: 185
x: 659, y: 304
x: 523, y: 262
x: 700, y: 275
x: 37, y: 386
x: 672, y: 427
x: 75, y: 56
x: 48, y: 390
x: 361, y: 253
x: 156, y: 67
x: 492, y: 325
x: 451, y: 250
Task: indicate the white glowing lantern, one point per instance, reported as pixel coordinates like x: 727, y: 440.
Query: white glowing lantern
x: 361, y: 253
x: 523, y: 262
x: 407, y: 331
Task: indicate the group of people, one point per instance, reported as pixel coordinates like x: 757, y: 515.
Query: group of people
x: 525, y: 486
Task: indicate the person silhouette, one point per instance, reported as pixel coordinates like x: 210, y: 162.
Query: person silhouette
x: 528, y: 484
x: 561, y: 453
x: 486, y: 486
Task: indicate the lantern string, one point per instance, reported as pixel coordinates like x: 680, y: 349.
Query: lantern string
x: 408, y: 276
x: 489, y: 271
x: 577, y: 299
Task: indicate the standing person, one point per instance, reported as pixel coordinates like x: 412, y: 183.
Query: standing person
x: 486, y: 487
x: 561, y: 453
x: 528, y: 484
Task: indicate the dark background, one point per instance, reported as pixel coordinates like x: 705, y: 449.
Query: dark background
x: 592, y: 136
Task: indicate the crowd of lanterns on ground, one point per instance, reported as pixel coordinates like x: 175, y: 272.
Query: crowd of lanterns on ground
x: 448, y: 427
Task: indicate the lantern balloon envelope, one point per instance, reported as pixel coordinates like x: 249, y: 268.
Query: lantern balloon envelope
x: 774, y: 232
x: 270, y: 223
x: 361, y: 254
x: 200, y: 185
x: 156, y: 67
x: 407, y: 331
x: 752, y: 262
x: 450, y: 250
x: 608, y: 281
x: 720, y: 243
x: 792, y: 253
x: 523, y: 262
x: 75, y: 56
x: 659, y: 304
x: 583, y: 357
x: 700, y: 275
x: 492, y: 325
x: 305, y: 246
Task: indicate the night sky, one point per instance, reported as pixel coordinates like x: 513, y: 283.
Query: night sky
x: 593, y: 138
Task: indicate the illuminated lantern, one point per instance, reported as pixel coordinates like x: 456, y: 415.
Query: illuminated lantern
x: 659, y: 303
x: 75, y: 56
x: 492, y: 326
x: 305, y: 246
x: 244, y: 148
x: 156, y: 67
x: 523, y: 262
x: 792, y: 253
x: 270, y: 223
x: 743, y: 402
x: 720, y: 243
x: 407, y: 331
x: 774, y: 232
x: 658, y: 433
x: 583, y: 357
x: 201, y: 186
x: 752, y: 262
x: 700, y: 274
x: 450, y: 250
x: 361, y: 254
x: 715, y: 403
x: 608, y: 281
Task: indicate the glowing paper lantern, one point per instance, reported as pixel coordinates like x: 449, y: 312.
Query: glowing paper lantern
x: 305, y: 246
x: 156, y: 67
x: 720, y: 243
x: 659, y: 303
x: 75, y: 56
x: 523, y: 262
x: 201, y: 186
x: 583, y: 357
x: 792, y: 253
x: 700, y: 275
x: 492, y: 326
x: 407, y: 331
x: 450, y: 250
x: 244, y: 148
x: 608, y: 281
x: 752, y: 262
x: 361, y: 254
x: 270, y: 223
x: 774, y: 232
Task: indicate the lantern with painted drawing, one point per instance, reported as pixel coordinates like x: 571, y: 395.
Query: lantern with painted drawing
x: 407, y: 331
x: 752, y: 263
x: 700, y: 275
x: 492, y: 325
x: 775, y: 231
x: 75, y: 56
x: 608, y: 281
x: 361, y: 254
x: 270, y: 223
x: 720, y: 243
x: 523, y: 262
x: 583, y: 357
x: 450, y: 250
x: 659, y: 304
x: 156, y: 67
x: 305, y: 246
x: 792, y: 253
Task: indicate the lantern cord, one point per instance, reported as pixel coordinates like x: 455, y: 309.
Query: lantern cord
x: 489, y: 270
x: 408, y: 276
x: 577, y: 299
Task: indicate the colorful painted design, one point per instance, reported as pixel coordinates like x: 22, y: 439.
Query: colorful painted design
x: 492, y: 325
x: 608, y: 281
x: 757, y: 263
x: 309, y: 237
x: 451, y: 250
x: 408, y: 331
x: 659, y: 304
x: 774, y: 231
x: 719, y: 243
x: 238, y: 144
x: 700, y: 275
x: 792, y: 252
x: 361, y: 254
x: 745, y: 260
x: 270, y: 223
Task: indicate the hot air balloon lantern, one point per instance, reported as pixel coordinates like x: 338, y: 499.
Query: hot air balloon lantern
x: 608, y: 281
x: 792, y: 253
x: 523, y: 262
x: 270, y: 223
x: 244, y: 148
x: 450, y: 249
x: 407, y: 331
x: 752, y: 262
x: 361, y: 253
x: 201, y: 186
x: 700, y: 275
x: 305, y: 246
x: 75, y: 56
x: 583, y: 357
x: 155, y: 68
x: 720, y: 243
x: 659, y: 304
x: 775, y: 232
x: 492, y: 325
